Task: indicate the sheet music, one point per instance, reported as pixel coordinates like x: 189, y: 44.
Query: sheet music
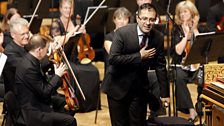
x: 91, y: 8
x: 218, y: 84
x: 3, y: 59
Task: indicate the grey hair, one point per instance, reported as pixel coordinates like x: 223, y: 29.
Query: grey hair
x: 13, y: 25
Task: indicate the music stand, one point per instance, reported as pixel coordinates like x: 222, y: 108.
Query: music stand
x: 110, y: 26
x: 36, y: 23
x: 97, y: 23
x: 206, y: 47
x: 109, y: 3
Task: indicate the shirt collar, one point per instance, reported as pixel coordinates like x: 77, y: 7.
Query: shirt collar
x: 140, y: 33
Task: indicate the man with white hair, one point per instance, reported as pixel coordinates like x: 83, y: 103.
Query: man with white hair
x: 19, y: 31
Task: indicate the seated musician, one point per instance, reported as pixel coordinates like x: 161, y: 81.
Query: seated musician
x: 215, y: 20
x: 10, y: 15
x: 121, y: 18
x: 187, y: 18
x: 87, y: 74
x: 34, y: 91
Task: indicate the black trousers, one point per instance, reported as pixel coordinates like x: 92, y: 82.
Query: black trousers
x: 129, y: 111
x: 183, y: 97
x: 38, y: 118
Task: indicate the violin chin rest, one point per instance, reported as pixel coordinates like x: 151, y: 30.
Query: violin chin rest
x: 85, y: 61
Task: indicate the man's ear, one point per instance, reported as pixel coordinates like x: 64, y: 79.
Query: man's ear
x: 12, y: 34
x: 38, y: 50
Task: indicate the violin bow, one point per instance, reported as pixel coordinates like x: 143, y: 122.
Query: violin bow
x: 94, y: 12
x: 35, y: 11
x: 67, y: 62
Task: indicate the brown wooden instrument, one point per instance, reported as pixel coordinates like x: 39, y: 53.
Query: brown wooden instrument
x: 68, y: 64
x: 70, y: 98
x: 85, y: 52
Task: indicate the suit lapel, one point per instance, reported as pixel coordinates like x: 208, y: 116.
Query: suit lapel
x: 135, y: 37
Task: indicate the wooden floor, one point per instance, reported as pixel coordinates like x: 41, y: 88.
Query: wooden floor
x: 103, y: 119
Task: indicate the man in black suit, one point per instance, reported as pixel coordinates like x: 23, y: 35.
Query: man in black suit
x: 19, y: 31
x: 34, y: 91
x: 126, y: 81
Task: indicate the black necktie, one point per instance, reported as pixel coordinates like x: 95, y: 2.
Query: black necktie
x: 143, y: 42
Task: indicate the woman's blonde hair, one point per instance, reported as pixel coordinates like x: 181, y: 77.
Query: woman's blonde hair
x: 71, y: 2
x: 185, y: 5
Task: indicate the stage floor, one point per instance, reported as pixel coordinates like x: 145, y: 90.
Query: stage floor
x: 103, y: 119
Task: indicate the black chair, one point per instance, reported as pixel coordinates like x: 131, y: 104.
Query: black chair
x: 13, y: 111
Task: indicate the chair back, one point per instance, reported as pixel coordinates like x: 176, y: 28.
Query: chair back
x: 13, y: 109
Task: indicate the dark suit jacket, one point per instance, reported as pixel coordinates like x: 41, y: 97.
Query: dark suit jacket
x: 127, y: 70
x: 14, y: 54
x: 34, y: 91
x: 215, y: 14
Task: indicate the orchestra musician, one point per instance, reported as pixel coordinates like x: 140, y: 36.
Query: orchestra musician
x: 87, y: 74
x: 11, y: 14
x: 15, y: 50
x: 121, y: 17
x: 126, y: 81
x: 34, y: 91
x: 187, y: 18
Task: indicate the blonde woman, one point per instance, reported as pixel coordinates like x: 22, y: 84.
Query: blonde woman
x: 187, y: 18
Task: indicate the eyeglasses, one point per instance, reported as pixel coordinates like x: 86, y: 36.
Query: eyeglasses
x: 145, y: 19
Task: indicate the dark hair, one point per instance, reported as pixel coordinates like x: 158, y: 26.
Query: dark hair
x: 148, y: 6
x: 55, y: 28
x: 8, y: 15
x: 38, y: 41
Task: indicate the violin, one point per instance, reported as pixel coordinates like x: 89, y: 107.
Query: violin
x: 70, y: 98
x: 85, y: 52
